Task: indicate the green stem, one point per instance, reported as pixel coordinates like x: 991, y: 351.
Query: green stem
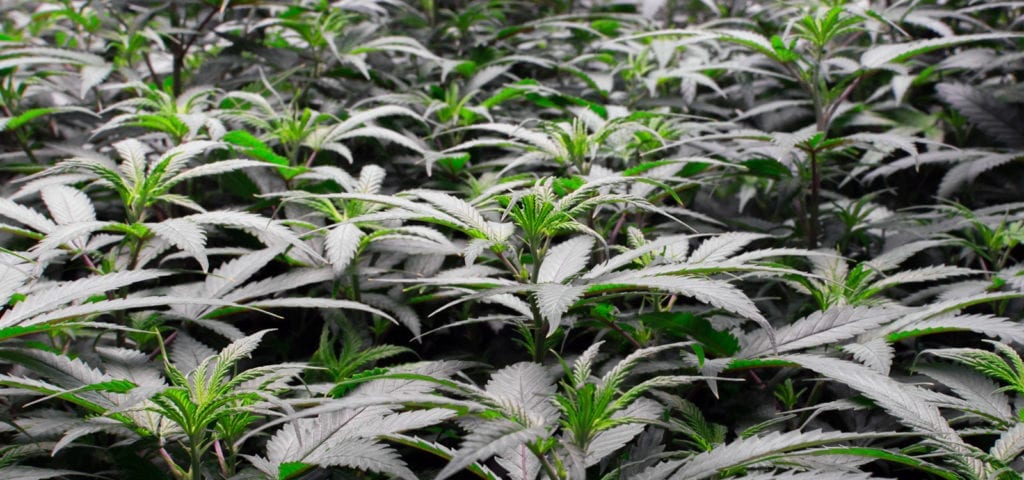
x: 813, y: 210
x: 1004, y: 258
x: 545, y: 465
x: 136, y: 251
x: 195, y: 451
x: 812, y: 399
x: 540, y: 325
x: 540, y: 328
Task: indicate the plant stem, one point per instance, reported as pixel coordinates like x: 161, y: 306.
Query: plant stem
x: 508, y: 264
x: 152, y: 70
x: 136, y: 251
x: 199, y: 29
x: 180, y: 48
x: 220, y: 458
x: 540, y: 327
x: 309, y: 160
x: 145, y: 55
x: 812, y: 399
x: 830, y: 112
x: 629, y: 338
x: 89, y: 263
x: 175, y: 469
x: 195, y: 452
x: 815, y: 198
x: 545, y: 465
x: 177, y: 51
x: 617, y: 227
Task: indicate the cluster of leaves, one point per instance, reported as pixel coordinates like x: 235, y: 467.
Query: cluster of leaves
x: 560, y: 240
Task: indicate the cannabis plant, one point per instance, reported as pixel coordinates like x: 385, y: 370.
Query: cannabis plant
x: 558, y: 240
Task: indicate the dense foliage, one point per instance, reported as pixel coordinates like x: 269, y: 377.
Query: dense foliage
x: 551, y: 239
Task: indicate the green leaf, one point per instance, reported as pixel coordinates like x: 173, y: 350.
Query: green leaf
x: 693, y: 168
x: 767, y: 167
x: 467, y: 68
x: 17, y: 331
x: 606, y: 287
x: 685, y: 324
x: 784, y: 54
x: 899, y: 52
x: 28, y: 116
x: 238, y: 184
x: 113, y: 386
x: 606, y: 26
x: 10, y: 123
x: 509, y: 92
x: 254, y: 147
x: 880, y: 454
x: 353, y: 381
x: 750, y: 40
x: 604, y: 311
x: 918, y: 332
x: 454, y: 163
x: 565, y: 186
x: 645, y: 166
x: 699, y: 351
x: 289, y: 470
x: 750, y: 363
